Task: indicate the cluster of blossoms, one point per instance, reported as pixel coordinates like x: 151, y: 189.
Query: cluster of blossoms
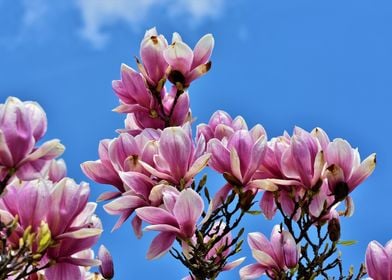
x: 47, y: 225
x: 154, y: 161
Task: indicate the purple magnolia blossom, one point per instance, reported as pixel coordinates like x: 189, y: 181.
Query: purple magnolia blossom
x: 186, y: 64
x: 177, y: 217
x: 22, y: 125
x: 70, y: 218
x: 121, y: 154
x: 379, y: 261
x: 139, y: 193
x: 179, y: 159
x: 280, y: 253
x: 345, y: 171
x: 238, y: 157
x: 293, y: 161
x: 222, y: 125
x: 154, y: 65
x: 106, y: 268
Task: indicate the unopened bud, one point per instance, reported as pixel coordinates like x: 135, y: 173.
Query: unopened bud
x: 246, y: 199
x: 334, y: 229
x: 106, y: 268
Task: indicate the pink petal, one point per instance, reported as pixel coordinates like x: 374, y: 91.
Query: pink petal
x: 99, y: 173
x: 179, y: 56
x: 163, y: 228
x: 233, y: 264
x: 290, y: 250
x: 220, y: 159
x: 63, y: 271
x: 339, y: 152
x: 187, y: 211
x: 264, y: 259
x: 362, y: 172
x: 124, y: 203
x: 151, y: 52
x: 175, y: 146
x: 108, y: 196
x: 377, y: 261
x: 5, y: 154
x: 267, y: 205
x: 37, y: 118
x: 160, y: 245
x: 106, y: 268
x: 197, y: 166
x: 48, y: 150
x: 137, y: 226
x: 203, y: 50
x: 258, y: 241
x: 181, y: 110
x: 155, y: 215
x: 252, y: 271
x: 138, y: 182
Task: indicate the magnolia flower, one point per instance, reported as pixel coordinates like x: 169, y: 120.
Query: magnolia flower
x: 118, y: 155
x: 22, y: 125
x: 379, y: 261
x: 279, y: 254
x: 138, y: 191
x: 222, y: 125
x: 177, y: 218
x: 186, y: 64
x: 106, y: 268
x: 178, y: 159
x: 154, y: 65
x: 69, y: 218
x: 345, y: 171
x: 238, y: 157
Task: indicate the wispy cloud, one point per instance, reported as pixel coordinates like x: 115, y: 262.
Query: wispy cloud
x: 30, y: 22
x: 38, y: 18
x: 100, y: 14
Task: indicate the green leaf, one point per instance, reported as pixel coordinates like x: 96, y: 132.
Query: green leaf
x: 254, y: 212
x: 347, y: 242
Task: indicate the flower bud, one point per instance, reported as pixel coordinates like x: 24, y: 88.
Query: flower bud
x: 334, y: 229
x: 106, y: 268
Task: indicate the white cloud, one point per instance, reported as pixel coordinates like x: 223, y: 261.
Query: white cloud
x: 30, y: 23
x: 38, y: 18
x: 100, y: 14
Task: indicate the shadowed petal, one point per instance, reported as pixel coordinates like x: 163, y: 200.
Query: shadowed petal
x: 160, y: 245
x: 155, y: 215
x: 252, y: 271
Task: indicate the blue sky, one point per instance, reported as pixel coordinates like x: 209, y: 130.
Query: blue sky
x: 278, y: 63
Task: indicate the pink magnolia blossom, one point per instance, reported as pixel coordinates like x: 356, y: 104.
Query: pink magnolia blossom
x: 238, y: 157
x: 106, y: 268
x: 57, y: 170
x: 379, y: 261
x: 179, y: 159
x: 70, y: 218
x: 154, y: 65
x: 138, y: 194
x: 280, y: 253
x: 22, y: 125
x: 297, y: 160
x: 120, y: 155
x: 177, y: 217
x: 345, y: 171
x: 186, y: 64
x: 222, y: 125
